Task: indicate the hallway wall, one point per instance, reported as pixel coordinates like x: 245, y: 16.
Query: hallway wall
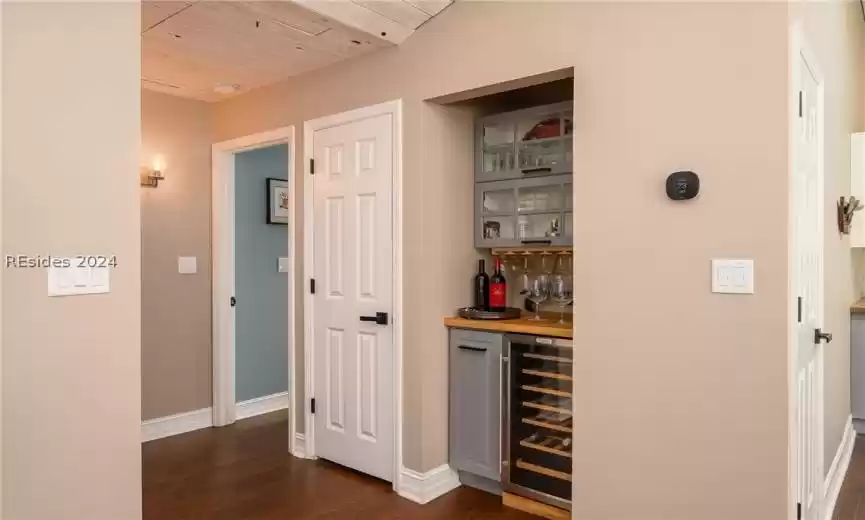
x: 176, y: 352
x: 71, y: 365
x: 659, y: 87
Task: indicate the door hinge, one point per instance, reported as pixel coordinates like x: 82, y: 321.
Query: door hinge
x: 798, y: 510
x: 799, y: 309
x: 801, y: 108
x: 312, y: 166
x: 312, y: 285
x: 312, y: 405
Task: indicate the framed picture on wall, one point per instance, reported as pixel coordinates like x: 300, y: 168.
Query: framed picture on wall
x: 277, y: 201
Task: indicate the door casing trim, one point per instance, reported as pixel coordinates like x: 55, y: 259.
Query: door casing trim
x: 394, y: 108
x: 222, y: 257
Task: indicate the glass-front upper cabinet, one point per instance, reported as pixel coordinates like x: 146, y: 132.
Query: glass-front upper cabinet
x: 533, y: 211
x: 531, y: 142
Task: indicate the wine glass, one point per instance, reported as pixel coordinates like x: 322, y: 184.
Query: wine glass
x: 562, y: 292
x: 539, y: 291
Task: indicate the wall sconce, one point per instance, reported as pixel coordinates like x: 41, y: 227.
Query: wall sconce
x: 151, y: 175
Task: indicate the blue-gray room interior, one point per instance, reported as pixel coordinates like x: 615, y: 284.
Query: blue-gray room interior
x: 261, y: 326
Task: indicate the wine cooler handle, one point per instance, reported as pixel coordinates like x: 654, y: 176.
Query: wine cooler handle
x: 504, y: 437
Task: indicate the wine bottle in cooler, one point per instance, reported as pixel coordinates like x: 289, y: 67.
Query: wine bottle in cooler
x: 482, y: 288
x: 498, y: 289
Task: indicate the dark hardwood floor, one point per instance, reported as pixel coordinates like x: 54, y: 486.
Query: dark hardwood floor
x: 244, y: 472
x: 851, y: 500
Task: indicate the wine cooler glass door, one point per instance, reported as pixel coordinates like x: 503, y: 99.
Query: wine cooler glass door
x: 539, y: 419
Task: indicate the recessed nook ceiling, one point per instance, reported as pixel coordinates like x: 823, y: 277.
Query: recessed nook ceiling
x: 212, y: 50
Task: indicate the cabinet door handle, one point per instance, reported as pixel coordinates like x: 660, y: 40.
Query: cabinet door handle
x: 536, y: 170
x: 539, y: 242
x: 475, y: 349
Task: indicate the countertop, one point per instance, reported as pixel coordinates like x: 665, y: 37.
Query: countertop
x: 858, y: 307
x: 522, y: 325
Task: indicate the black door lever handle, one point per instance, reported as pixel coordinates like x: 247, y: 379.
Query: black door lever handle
x: 819, y: 336
x: 380, y: 318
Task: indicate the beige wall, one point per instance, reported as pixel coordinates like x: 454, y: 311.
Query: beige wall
x: 836, y: 35
x: 71, y: 366
x: 175, y: 221
x: 680, y: 393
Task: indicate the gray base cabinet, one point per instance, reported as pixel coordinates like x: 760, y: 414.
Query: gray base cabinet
x: 475, y: 403
x: 857, y: 368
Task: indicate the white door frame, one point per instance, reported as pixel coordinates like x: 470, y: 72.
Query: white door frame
x: 801, y: 50
x: 222, y: 254
x: 309, y: 128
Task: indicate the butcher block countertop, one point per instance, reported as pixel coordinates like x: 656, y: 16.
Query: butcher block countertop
x: 858, y: 307
x: 523, y: 325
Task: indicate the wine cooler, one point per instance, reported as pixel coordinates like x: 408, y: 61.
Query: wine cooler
x: 537, y: 419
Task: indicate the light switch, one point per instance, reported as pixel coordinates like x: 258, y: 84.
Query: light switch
x: 75, y: 280
x: 732, y: 276
x: 187, y: 265
x: 282, y: 264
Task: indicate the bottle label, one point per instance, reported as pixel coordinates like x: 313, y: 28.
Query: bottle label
x: 497, y: 295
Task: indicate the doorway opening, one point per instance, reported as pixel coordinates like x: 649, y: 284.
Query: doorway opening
x: 253, y: 276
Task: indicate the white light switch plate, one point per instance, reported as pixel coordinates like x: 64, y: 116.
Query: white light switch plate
x: 282, y: 264
x: 732, y: 276
x: 74, y: 280
x: 187, y: 265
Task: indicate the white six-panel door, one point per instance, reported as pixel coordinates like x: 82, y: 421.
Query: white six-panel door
x: 808, y: 283
x: 353, y: 269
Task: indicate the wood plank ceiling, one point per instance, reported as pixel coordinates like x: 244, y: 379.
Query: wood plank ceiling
x: 212, y: 50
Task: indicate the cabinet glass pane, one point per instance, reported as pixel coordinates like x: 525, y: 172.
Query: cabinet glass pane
x: 569, y: 224
x: 540, y: 198
x: 569, y: 195
x: 540, y: 127
x: 499, y: 201
x: 498, y: 228
x: 540, y: 154
x: 540, y: 226
x: 499, y: 147
x: 568, y: 144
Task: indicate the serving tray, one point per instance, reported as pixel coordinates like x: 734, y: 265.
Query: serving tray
x: 510, y: 313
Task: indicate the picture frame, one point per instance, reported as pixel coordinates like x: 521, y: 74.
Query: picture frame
x: 278, y: 209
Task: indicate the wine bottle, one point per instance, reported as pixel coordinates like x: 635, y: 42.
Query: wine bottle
x: 498, y: 289
x: 482, y: 288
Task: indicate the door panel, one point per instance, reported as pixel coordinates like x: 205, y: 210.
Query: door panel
x: 353, y: 251
x: 808, y: 283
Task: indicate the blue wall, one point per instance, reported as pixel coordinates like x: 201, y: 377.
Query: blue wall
x: 261, y: 335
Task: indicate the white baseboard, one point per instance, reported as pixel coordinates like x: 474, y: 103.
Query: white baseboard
x: 299, y: 448
x: 838, y: 470
x: 176, y: 424
x: 425, y: 487
x: 261, y: 405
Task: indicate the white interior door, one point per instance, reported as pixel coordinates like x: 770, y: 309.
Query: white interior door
x: 808, y: 280
x: 353, y: 251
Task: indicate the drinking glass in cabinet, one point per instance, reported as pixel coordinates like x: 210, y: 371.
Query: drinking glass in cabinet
x: 499, y: 201
x: 540, y: 226
x: 540, y: 198
x: 498, y: 228
x: 499, y: 147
